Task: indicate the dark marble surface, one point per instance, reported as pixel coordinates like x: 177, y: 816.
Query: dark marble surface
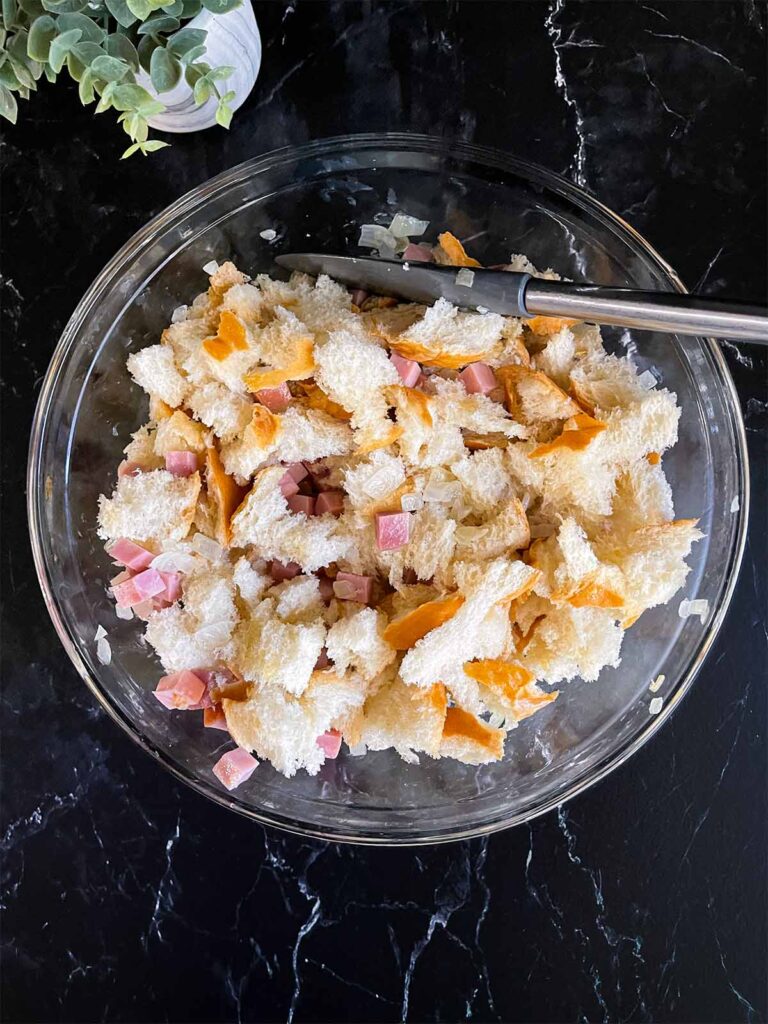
x: 129, y: 898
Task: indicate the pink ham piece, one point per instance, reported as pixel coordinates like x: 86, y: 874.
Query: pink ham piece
x: 181, y: 463
x: 129, y: 469
x: 132, y: 556
x: 326, y: 588
x: 330, y: 743
x: 288, y: 486
x: 149, y: 583
x: 478, y: 378
x: 418, y: 253
x: 298, y: 471
x: 172, y: 591
x: 181, y: 691
x: 348, y: 586
x: 280, y: 571
x: 235, y: 767
x: 214, y: 718
x: 329, y: 501
x: 275, y: 399
x: 392, y: 530
x: 302, y: 503
x: 409, y: 370
x: 120, y: 578
x: 359, y: 295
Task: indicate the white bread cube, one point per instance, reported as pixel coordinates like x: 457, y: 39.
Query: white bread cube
x: 355, y: 641
x: 226, y: 413
x: 350, y: 367
x: 470, y: 740
x: 179, y: 433
x: 374, y: 478
x: 287, y: 654
x: 176, y: 638
x: 502, y: 534
x: 246, y: 301
x: 602, y: 382
x: 643, y: 498
x: 556, y: 359
x: 298, y: 600
x: 431, y: 545
x: 478, y: 413
x: 251, y: 583
x: 445, y: 331
x: 141, y: 449
x: 154, y: 506
x: 326, y: 306
x: 404, y: 717
x: 485, y: 478
x: 154, y: 369
x: 570, y: 642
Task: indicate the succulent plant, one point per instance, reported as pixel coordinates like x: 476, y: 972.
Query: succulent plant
x: 104, y: 45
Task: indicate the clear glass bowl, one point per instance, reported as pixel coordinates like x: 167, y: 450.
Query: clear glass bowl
x: 315, y: 197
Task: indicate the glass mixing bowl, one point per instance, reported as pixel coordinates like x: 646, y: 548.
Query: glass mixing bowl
x: 315, y: 197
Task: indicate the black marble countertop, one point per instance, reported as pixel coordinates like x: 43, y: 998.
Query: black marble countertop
x: 129, y: 898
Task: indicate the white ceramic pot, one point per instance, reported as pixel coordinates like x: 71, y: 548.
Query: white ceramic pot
x: 233, y: 39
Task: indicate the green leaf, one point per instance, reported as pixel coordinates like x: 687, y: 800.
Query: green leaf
x: 8, y: 107
x: 60, y: 48
x: 33, y: 8
x: 191, y: 9
x: 159, y: 23
x: 192, y: 55
x: 10, y: 10
x: 164, y: 70
x: 221, y: 6
x: 222, y: 73
x: 135, y: 98
x: 3, y: 36
x: 90, y: 31
x: 85, y: 90
x: 223, y: 114
x: 187, y: 39
x: 23, y: 74
x: 109, y: 69
x: 175, y: 10
x: 64, y: 6
x: 86, y: 53
x: 106, y: 98
x: 195, y: 72
x: 8, y: 76
x: 202, y: 90
x: 118, y: 45
x: 42, y: 32
x: 144, y: 148
x: 141, y: 8
x: 50, y: 74
x: 135, y: 126
x: 147, y: 46
x: 120, y: 12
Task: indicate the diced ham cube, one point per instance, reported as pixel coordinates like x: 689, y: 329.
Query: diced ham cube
x: 235, y: 767
x: 478, y: 378
x: 148, y: 583
x: 326, y: 588
x: 392, y: 530
x: 359, y: 295
x: 214, y: 718
x: 298, y: 471
x: 302, y: 503
x: 288, y: 486
x: 280, y: 571
x: 330, y: 743
x: 125, y: 593
x: 323, y: 661
x: 129, y: 469
x: 172, y: 591
x: 276, y: 399
x: 329, y: 501
x: 409, y: 370
x: 121, y: 577
x: 132, y: 556
x: 181, y: 463
x: 181, y: 691
x: 418, y: 253
x: 348, y: 586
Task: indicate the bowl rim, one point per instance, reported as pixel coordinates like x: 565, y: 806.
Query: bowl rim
x: 182, y: 207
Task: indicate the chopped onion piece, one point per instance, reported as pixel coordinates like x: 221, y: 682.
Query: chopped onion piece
x: 470, y: 534
x: 103, y: 651
x: 268, y: 234
x: 373, y: 236
x: 380, y: 483
x: 411, y: 502
x: 100, y: 632
x: 387, y: 252
x: 647, y: 380
x: 210, y: 267
x: 655, y: 706
x: 174, y: 561
x: 179, y: 314
x: 358, y: 750
x: 404, y: 226
x: 735, y: 504
x: 482, y: 309
x: 440, y: 492
x: 123, y: 613
x: 698, y: 607
x: 465, y: 278
x: 657, y: 683
x: 207, y: 547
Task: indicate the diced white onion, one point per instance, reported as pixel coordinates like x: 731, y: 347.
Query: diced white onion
x: 403, y: 226
x: 207, y: 547
x: 656, y: 705
x: 647, y: 380
x: 698, y: 607
x: 379, y: 483
x: 358, y: 749
x: 482, y: 309
x: 100, y: 632
x: 123, y: 613
x: 373, y: 236
x: 179, y: 314
x: 268, y: 234
x: 411, y: 502
x: 495, y: 720
x: 470, y: 534
x: 525, y: 500
x: 174, y: 561
x: 441, y: 492
x: 387, y: 252
x: 210, y: 268
x: 735, y: 504
x: 104, y: 651
x: 657, y: 683
x: 465, y: 278
x: 391, y: 197
x: 406, y: 265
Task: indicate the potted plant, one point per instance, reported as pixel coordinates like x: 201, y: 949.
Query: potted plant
x: 179, y: 66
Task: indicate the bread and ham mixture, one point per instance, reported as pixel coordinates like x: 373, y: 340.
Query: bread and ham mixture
x: 354, y: 520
